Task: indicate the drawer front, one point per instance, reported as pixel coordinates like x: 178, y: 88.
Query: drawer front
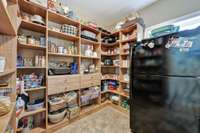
x: 72, y: 78
x: 88, y: 77
x: 73, y: 86
x: 89, y: 84
x: 56, y: 84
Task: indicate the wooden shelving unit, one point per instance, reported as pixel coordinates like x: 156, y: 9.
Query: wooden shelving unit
x: 8, y: 46
x: 29, y: 28
x: 8, y: 14
x: 73, y: 82
x: 122, y: 69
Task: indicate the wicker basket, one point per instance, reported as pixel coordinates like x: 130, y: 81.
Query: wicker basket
x: 55, y: 118
x: 54, y: 106
x: 5, y: 105
x: 73, y: 112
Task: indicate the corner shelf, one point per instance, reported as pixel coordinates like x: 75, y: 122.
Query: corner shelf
x: 110, y: 44
x: 89, y: 42
x: 85, y: 27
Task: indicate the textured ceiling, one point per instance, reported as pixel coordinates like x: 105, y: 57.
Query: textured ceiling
x: 106, y: 12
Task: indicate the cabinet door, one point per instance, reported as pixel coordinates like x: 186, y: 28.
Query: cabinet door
x: 56, y: 84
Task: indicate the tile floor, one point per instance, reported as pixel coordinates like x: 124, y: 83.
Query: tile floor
x: 106, y: 120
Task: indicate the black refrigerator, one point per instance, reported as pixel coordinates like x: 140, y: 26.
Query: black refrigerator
x: 165, y: 84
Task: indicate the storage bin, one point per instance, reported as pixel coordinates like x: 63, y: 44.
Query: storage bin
x: 57, y: 117
x: 33, y: 107
x: 56, y: 104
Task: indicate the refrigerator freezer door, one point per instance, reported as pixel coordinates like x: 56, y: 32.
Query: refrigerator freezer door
x: 173, y: 55
x: 173, y: 109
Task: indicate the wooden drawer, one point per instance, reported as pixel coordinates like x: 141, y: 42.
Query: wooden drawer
x: 89, y: 77
x: 56, y: 84
x: 72, y: 86
x: 90, y: 83
x: 72, y: 78
x: 72, y: 82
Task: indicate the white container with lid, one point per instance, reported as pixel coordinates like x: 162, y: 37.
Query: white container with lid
x: 2, y: 63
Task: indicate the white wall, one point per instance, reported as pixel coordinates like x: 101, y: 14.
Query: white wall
x: 164, y: 10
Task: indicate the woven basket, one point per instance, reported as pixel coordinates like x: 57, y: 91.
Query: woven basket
x: 5, y: 107
x: 56, y: 106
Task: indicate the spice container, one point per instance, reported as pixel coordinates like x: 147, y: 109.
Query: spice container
x: 2, y: 63
x: 22, y: 39
x: 42, y: 41
x: 31, y: 40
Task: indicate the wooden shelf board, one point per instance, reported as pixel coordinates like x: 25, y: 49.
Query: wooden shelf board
x: 58, y: 54
x: 62, y: 35
x: 31, y: 67
x: 4, y: 120
x: 103, y: 92
x: 32, y: 8
x: 110, y: 44
x: 124, y: 94
x: 116, y: 92
x: 30, y: 46
x: 104, y: 33
x: 125, y: 54
x: 33, y: 26
x: 85, y: 27
x: 109, y: 54
x: 7, y: 72
x: 116, y: 32
x: 88, y: 57
x: 35, y: 89
x: 61, y: 19
x: 109, y: 79
x: 129, y: 29
x: 90, y: 42
x: 129, y: 40
x: 125, y: 82
x: 7, y: 26
x: 124, y: 67
x: 110, y: 66
x: 30, y: 113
